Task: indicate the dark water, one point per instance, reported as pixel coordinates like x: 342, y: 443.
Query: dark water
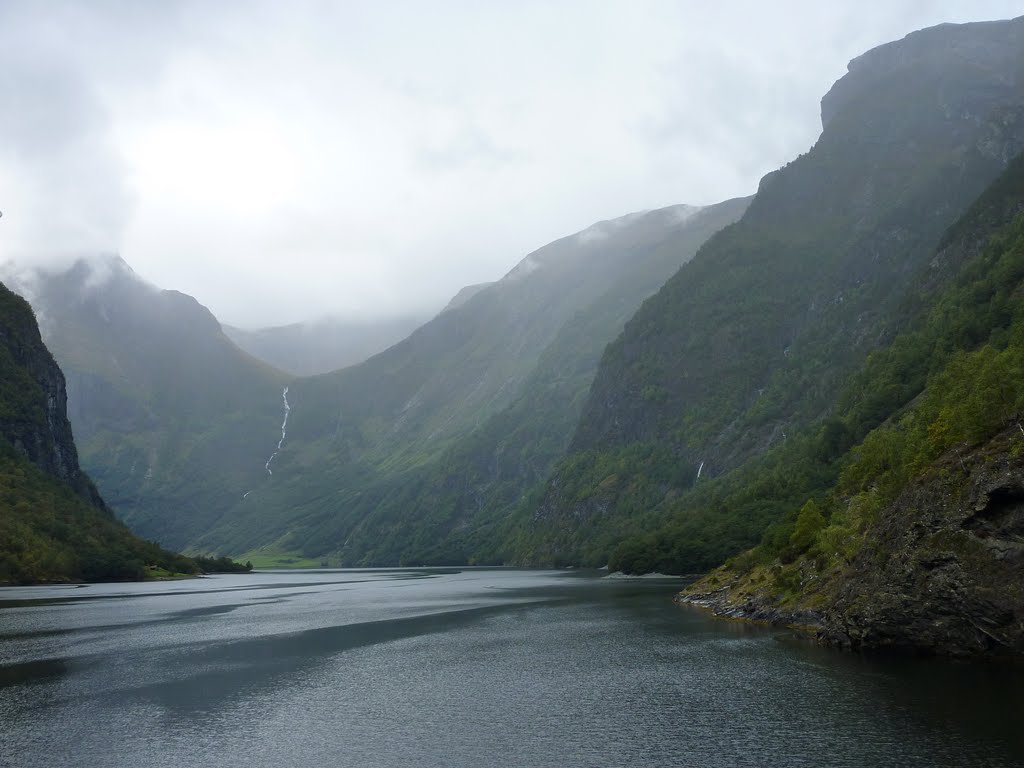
x: 462, y: 668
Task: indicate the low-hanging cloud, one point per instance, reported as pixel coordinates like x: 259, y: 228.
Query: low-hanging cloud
x: 284, y: 161
x: 62, y: 180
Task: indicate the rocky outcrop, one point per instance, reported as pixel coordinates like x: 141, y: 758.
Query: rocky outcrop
x: 758, y: 608
x: 33, y: 411
x: 941, y: 571
x: 983, y: 49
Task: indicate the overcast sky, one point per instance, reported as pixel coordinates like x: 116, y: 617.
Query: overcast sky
x: 285, y: 160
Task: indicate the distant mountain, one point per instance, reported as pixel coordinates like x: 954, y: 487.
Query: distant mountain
x: 748, y: 348
x: 383, y: 460
x: 53, y: 524
x: 471, y: 361
x: 306, y: 349
x: 174, y: 422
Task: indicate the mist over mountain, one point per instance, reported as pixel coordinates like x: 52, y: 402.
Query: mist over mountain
x: 437, y: 438
x: 173, y: 421
x: 320, y: 346
x: 189, y: 438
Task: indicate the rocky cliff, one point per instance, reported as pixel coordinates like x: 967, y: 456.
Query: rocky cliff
x: 942, y: 570
x: 945, y: 571
x: 33, y: 410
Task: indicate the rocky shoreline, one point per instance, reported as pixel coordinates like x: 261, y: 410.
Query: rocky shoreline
x: 939, y: 572
x: 718, y: 603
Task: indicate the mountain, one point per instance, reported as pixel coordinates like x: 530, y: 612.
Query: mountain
x: 918, y: 544
x: 755, y: 349
x: 174, y: 422
x: 53, y: 524
x: 391, y: 460
x: 739, y: 360
x: 306, y: 349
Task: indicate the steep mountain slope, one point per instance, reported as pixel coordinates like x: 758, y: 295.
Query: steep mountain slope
x: 53, y: 524
x: 173, y: 421
x: 399, y: 458
x: 306, y: 349
x: 470, y: 361
x: 753, y: 340
x: 919, y: 542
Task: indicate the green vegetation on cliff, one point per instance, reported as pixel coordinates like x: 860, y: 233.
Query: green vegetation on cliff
x: 937, y: 487
x: 49, y: 533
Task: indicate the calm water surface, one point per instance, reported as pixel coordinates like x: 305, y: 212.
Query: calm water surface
x: 462, y: 668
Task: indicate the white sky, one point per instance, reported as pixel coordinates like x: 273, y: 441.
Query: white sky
x: 285, y: 160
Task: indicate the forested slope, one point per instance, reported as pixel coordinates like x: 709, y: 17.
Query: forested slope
x: 918, y: 542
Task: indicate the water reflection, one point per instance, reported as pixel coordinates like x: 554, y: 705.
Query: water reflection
x: 32, y: 671
x: 465, y: 668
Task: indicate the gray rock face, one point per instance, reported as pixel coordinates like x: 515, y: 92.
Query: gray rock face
x: 943, y: 570
x: 940, y: 573
x: 35, y: 420
x: 984, y: 47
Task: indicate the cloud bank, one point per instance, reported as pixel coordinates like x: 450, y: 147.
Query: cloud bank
x: 284, y: 161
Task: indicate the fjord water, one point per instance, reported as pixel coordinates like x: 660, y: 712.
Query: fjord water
x: 462, y: 668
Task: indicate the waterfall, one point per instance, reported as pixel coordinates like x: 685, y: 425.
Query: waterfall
x: 284, y: 430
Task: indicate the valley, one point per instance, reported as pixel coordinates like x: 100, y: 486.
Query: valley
x: 771, y: 390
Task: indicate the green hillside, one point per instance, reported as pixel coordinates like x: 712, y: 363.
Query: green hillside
x: 917, y: 541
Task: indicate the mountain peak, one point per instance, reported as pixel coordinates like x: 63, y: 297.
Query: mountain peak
x: 983, y: 50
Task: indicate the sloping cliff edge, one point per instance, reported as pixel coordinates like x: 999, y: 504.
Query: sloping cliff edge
x: 941, y: 571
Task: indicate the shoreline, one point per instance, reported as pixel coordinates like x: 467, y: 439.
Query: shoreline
x: 717, y: 603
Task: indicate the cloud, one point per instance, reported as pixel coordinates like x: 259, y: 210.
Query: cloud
x: 282, y: 161
x: 64, y: 183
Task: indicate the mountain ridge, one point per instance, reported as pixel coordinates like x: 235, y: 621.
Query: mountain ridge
x: 751, y: 340
x: 322, y: 346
